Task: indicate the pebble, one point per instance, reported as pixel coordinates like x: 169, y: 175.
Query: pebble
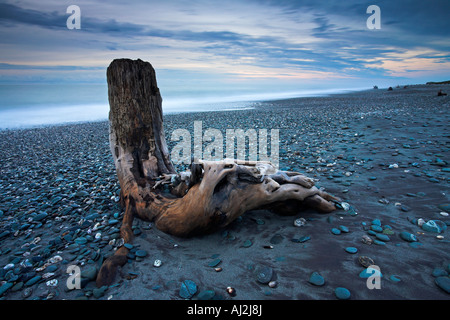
x: 5, y: 287
x: 32, y: 281
x: 99, y: 292
x: 408, y: 236
x: 435, y: 226
x: 299, y: 222
x: 383, y: 237
x: 366, y: 240
x: 439, y: 272
x: 206, y: 295
x: 188, y: 289
x: 263, y: 274
x: 247, y: 243
x: 376, y: 228
x: 443, y: 283
x: 335, y: 231
x: 301, y: 239
x: 351, y: 250
x: 316, y: 279
x: 157, y: 263
x: 276, y: 239
x: 214, y: 263
x: 141, y: 253
x: 365, y: 261
x: 342, y: 293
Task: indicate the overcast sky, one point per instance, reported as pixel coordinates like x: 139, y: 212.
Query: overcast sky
x: 254, y: 45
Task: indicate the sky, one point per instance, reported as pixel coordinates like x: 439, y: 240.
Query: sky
x: 246, y: 47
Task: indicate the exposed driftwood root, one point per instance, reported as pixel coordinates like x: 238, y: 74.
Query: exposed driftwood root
x: 210, y: 195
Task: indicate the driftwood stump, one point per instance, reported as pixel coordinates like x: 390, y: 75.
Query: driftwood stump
x: 208, y: 196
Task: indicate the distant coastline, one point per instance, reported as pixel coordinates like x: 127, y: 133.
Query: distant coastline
x: 34, y: 112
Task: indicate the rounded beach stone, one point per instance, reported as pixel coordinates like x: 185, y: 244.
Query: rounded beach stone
x: 316, y: 279
x: 342, y: 293
x: 335, y: 231
x: 141, y: 253
x: 276, y: 239
x: 439, y: 272
x: 383, y: 237
x: 214, y: 263
x: 376, y: 228
x: 188, y: 289
x: 443, y: 283
x: 247, y: 243
x: 376, y: 222
x: 206, y: 295
x: 263, y: 274
x: 408, y: 236
x: 351, y: 250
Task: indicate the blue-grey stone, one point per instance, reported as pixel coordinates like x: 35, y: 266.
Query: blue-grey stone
x: 379, y: 242
x: 316, y: 279
x: 276, y: 239
x: 81, y: 240
x: 129, y: 246
x: 40, y: 216
x: 443, y: 283
x: 206, y: 295
x: 343, y: 229
x: 5, y: 287
x: 32, y: 281
x: 247, y: 243
x: 112, y: 222
x: 431, y: 226
x: 214, y: 263
x: 89, y: 273
x: 376, y: 228
x: 351, y: 250
x: 188, y: 289
x: 408, y: 236
x: 383, y: 237
x: 335, y: 231
x: 376, y: 222
x: 99, y: 292
x: 342, y: 293
x: 394, y: 278
x: 304, y: 239
x: 140, y: 253
x: 439, y: 272
x: 263, y: 274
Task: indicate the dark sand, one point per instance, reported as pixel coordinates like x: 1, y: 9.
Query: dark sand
x: 341, y: 140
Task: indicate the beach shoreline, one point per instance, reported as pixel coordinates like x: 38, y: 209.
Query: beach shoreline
x: 386, y: 153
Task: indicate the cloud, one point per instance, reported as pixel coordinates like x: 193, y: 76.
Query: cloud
x: 242, y: 39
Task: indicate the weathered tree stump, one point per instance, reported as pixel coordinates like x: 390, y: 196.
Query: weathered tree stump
x: 208, y: 196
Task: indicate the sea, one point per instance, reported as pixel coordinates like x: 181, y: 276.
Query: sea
x: 35, y: 105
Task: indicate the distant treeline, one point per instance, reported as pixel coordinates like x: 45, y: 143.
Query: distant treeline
x: 442, y: 82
